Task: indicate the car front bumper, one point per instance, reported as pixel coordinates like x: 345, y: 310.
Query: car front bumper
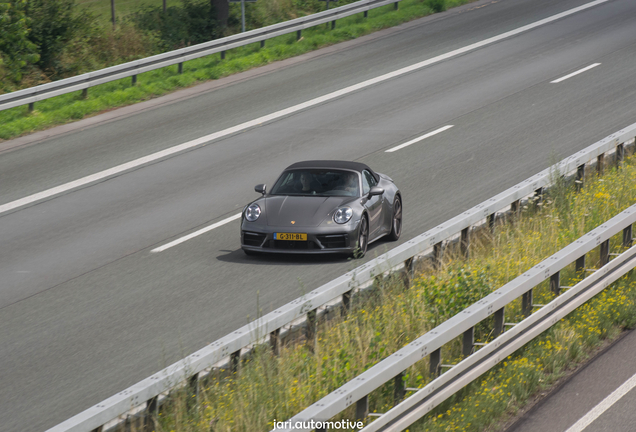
x: 320, y: 240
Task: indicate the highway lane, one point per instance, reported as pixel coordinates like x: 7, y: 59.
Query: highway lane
x: 87, y: 305
x: 73, y: 155
x: 587, y: 401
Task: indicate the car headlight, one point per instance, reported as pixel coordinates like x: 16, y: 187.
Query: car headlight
x: 342, y: 215
x: 252, y: 212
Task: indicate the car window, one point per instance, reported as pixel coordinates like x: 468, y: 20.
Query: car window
x: 321, y: 182
x: 368, y: 181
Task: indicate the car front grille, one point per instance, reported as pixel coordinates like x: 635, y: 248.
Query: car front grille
x: 330, y: 241
x: 252, y: 238
x: 291, y: 245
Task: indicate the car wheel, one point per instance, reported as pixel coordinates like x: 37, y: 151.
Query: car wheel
x: 363, y: 239
x: 396, y: 221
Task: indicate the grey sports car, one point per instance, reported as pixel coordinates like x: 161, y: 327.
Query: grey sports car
x: 323, y: 206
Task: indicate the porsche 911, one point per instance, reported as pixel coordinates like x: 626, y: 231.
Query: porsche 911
x: 322, y: 206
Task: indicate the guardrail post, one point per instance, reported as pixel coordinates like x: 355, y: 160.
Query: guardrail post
x: 346, y: 302
x: 491, y: 222
x: 600, y: 164
x: 299, y: 34
x: 134, y: 79
x: 263, y: 43
x: 620, y: 155
x: 605, y: 252
x: 396, y: 5
x: 85, y: 93
x: 468, y: 342
x: 627, y: 237
x: 555, y: 283
x: 526, y: 304
x: 464, y: 243
x: 515, y: 208
x: 362, y: 408
x: 193, y: 387
x: 180, y: 68
x: 310, y: 330
x: 580, y: 264
x: 435, y: 365
x: 274, y: 341
x: 222, y: 55
x: 538, y: 196
x: 235, y: 359
x: 399, y: 389
x: 580, y: 177
x: 31, y: 106
x: 366, y: 14
x: 437, y: 256
x: 499, y: 321
x: 333, y: 24
x: 152, y: 406
x: 407, y: 275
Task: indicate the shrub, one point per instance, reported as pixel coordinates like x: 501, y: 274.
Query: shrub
x: 192, y: 23
x: 17, y: 53
x: 437, y: 5
x: 53, y: 24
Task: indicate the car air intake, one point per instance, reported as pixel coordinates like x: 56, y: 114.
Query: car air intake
x: 253, y: 239
x: 330, y: 241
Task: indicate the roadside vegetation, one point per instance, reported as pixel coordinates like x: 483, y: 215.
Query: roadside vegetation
x: 388, y: 316
x: 78, y: 40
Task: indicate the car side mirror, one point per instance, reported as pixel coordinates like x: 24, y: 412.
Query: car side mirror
x: 375, y: 191
x: 260, y: 188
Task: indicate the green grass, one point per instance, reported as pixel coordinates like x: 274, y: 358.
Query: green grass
x: 70, y: 107
x: 381, y: 321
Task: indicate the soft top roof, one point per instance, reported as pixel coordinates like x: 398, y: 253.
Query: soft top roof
x: 337, y: 164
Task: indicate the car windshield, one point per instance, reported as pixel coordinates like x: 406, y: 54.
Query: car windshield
x: 321, y: 182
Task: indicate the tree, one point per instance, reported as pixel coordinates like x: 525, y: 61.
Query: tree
x: 17, y: 53
x: 53, y: 24
x: 222, y: 9
x: 192, y: 23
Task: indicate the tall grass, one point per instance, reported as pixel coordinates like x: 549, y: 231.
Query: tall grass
x: 384, y: 319
x: 70, y: 107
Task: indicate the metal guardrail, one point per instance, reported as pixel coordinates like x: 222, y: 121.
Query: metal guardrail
x: 146, y: 392
x: 132, y: 69
x: 429, y: 345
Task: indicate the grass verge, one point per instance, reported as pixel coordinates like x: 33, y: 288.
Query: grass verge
x: 70, y: 107
x: 385, y: 318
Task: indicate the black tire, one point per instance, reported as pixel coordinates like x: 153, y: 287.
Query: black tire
x: 363, y: 239
x: 396, y: 220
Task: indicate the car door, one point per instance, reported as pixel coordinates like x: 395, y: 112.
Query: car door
x: 373, y: 205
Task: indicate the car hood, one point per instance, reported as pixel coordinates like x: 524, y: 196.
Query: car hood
x: 300, y: 211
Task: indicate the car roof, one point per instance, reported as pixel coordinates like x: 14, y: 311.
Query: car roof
x: 338, y: 164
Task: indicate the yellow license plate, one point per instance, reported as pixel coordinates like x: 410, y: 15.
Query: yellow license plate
x: 290, y: 236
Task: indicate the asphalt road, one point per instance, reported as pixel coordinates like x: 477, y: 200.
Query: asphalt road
x: 599, y: 398
x: 87, y: 310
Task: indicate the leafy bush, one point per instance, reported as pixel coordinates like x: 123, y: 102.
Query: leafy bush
x: 97, y: 47
x: 192, y: 23
x: 53, y: 24
x: 437, y: 5
x: 17, y: 53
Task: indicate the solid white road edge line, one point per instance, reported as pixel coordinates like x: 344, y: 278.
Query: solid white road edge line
x: 604, y: 405
x: 575, y: 73
x: 282, y: 113
x: 423, y: 137
x: 196, y: 233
